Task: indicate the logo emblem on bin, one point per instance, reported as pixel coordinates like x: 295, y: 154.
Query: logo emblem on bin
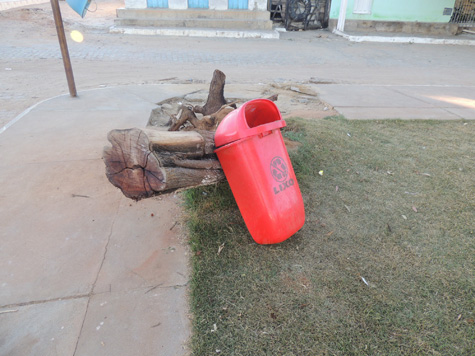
x: 279, y: 169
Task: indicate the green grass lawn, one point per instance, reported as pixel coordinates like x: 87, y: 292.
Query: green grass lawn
x: 384, y: 265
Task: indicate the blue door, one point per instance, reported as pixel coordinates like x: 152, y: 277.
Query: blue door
x: 198, y: 4
x: 157, y: 3
x: 237, y: 4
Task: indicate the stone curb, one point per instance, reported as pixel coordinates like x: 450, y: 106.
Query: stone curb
x: 409, y: 39
x: 194, y: 32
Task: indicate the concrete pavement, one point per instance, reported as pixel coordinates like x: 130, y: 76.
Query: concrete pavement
x: 371, y: 101
x: 86, y: 271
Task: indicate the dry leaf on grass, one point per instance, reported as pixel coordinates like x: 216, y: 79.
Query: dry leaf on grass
x: 220, y: 248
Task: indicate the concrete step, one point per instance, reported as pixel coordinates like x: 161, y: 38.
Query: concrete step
x: 194, y: 18
x: 154, y: 13
x: 196, y: 23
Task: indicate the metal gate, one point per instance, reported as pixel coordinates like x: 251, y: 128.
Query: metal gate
x: 464, y: 13
x: 300, y: 14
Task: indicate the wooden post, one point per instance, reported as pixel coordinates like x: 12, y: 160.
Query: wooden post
x: 64, y: 47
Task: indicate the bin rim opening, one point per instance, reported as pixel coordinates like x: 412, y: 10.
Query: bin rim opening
x: 255, y: 131
x: 270, y: 128
x: 252, y: 118
x: 260, y: 112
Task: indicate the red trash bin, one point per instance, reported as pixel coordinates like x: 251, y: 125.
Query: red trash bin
x: 257, y: 166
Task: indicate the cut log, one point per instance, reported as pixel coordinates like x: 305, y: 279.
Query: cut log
x: 197, y: 164
x: 143, y: 163
x: 185, y: 144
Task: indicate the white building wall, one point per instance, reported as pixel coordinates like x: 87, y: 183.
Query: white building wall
x: 260, y: 5
x: 178, y: 4
x: 218, y: 4
x: 135, y: 4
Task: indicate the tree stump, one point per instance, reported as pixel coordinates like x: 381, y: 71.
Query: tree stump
x: 216, y: 95
x: 146, y: 162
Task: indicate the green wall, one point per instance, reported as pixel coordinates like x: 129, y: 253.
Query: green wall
x: 400, y: 10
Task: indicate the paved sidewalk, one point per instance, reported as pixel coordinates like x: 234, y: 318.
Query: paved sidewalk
x: 370, y: 101
x: 89, y: 272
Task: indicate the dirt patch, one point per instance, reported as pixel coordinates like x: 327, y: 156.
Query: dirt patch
x: 100, y: 16
x: 294, y: 100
